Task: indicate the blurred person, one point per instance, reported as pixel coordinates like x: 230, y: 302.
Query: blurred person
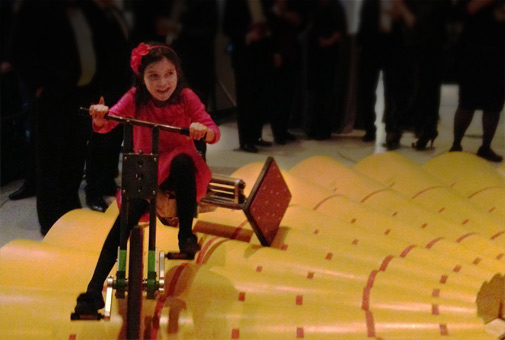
x: 286, y: 23
x: 245, y: 23
x: 481, y: 72
x: 427, y: 40
x: 17, y: 114
x: 55, y: 54
x: 326, y: 29
x: 114, y: 78
x: 381, y: 47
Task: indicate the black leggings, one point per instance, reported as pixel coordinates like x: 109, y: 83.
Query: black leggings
x: 182, y: 181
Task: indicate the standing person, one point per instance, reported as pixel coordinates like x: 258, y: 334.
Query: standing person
x: 158, y: 96
x: 380, y: 42
x: 114, y: 80
x: 54, y: 51
x: 287, y: 23
x: 481, y: 70
x: 427, y: 39
x: 326, y: 29
x: 16, y: 137
x: 245, y: 23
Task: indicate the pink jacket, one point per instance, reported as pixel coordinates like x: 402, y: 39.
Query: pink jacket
x: 189, y: 109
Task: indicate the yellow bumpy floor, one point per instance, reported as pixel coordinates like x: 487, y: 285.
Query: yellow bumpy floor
x: 387, y: 249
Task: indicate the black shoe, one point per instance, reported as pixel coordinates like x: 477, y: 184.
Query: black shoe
x: 423, y: 140
x: 189, y: 245
x: 249, y: 148
x: 284, y: 138
x: 26, y: 190
x: 289, y: 136
x: 319, y: 136
x: 97, y: 203
x: 369, y: 137
x: 489, y: 154
x: 262, y: 142
x: 280, y: 140
x: 456, y: 147
x: 89, y: 303
x: 393, y: 140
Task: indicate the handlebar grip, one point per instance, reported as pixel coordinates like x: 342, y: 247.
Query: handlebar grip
x: 184, y: 131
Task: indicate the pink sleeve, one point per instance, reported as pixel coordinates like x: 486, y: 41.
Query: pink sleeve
x: 197, y: 113
x: 125, y: 107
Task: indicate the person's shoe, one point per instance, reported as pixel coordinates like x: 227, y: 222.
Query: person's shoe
x: 97, y: 203
x: 26, y: 190
x: 456, y: 148
x: 189, y: 245
x: 368, y: 137
x: 249, y: 148
x: 280, y: 141
x: 393, y: 140
x: 290, y: 137
x: 89, y: 303
x: 319, y: 136
x: 423, y: 140
x: 262, y: 142
x: 489, y: 154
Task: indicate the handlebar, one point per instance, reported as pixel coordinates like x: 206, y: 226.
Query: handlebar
x: 144, y: 123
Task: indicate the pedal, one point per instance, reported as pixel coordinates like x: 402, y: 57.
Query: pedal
x: 108, y: 298
x: 161, y: 281
x: 179, y: 256
x: 86, y: 316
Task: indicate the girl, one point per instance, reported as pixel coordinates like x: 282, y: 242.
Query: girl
x: 159, y: 96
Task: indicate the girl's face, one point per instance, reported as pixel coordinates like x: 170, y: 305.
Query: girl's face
x: 161, y: 79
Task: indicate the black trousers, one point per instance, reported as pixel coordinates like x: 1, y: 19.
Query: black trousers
x: 427, y: 75
x: 283, y: 80
x: 102, y: 162
x: 182, y: 181
x: 252, y: 69
x: 61, y: 135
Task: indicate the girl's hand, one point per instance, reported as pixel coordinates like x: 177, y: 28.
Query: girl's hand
x: 98, y: 112
x: 197, y: 130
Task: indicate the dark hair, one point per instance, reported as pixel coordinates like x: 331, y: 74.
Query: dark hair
x: 157, y: 53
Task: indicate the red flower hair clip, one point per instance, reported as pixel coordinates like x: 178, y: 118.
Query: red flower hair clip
x: 138, y: 52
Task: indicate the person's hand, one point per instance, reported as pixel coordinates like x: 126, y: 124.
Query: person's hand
x: 197, y: 130
x: 252, y: 37
x: 293, y: 18
x: 475, y: 6
x: 98, y: 112
x: 324, y: 42
x: 38, y: 92
x: 330, y: 41
x: 277, y: 60
x: 5, y: 67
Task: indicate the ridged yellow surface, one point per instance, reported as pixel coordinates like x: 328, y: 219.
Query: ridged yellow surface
x: 362, y: 252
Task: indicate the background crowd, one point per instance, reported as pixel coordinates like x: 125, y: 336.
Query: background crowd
x: 297, y: 64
